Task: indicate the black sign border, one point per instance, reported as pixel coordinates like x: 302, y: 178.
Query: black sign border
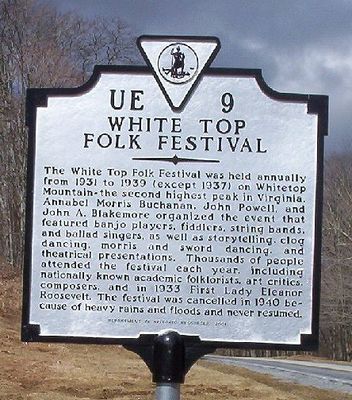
x: 316, y: 104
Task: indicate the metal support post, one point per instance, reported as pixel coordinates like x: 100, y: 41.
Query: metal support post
x: 167, y: 391
x: 169, y: 365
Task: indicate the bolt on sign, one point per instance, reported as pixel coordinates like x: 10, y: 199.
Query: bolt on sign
x: 174, y: 196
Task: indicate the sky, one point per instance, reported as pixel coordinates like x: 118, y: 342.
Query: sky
x: 301, y: 46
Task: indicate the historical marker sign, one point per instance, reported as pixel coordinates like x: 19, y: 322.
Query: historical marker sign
x: 174, y: 196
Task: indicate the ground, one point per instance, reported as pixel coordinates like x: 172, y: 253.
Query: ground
x: 65, y: 371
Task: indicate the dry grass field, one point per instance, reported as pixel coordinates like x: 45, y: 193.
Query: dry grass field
x: 66, y: 372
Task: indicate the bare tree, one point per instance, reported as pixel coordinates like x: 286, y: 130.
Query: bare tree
x: 100, y: 41
x: 336, y: 295
x: 41, y: 48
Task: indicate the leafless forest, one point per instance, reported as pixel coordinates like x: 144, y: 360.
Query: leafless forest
x: 41, y: 48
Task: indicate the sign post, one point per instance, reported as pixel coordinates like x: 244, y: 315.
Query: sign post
x: 174, y: 205
x: 169, y: 365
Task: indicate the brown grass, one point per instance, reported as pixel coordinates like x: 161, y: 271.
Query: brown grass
x: 67, y: 372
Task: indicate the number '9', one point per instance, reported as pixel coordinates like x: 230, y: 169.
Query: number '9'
x: 228, y: 102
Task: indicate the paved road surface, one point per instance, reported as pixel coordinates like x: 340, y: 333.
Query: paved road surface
x: 322, y: 375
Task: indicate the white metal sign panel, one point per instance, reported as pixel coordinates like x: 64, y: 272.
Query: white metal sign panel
x: 199, y: 219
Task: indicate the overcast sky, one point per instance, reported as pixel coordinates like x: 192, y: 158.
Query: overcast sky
x: 302, y: 46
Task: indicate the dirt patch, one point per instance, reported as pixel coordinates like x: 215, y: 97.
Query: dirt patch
x: 65, y: 372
